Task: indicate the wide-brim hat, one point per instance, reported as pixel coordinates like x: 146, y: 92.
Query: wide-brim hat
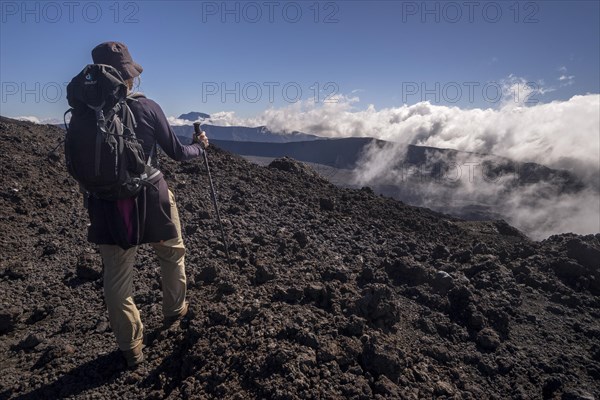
x: 117, y: 56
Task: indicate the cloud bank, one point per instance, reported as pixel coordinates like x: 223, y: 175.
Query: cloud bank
x: 37, y: 120
x: 560, y: 135
x: 467, y: 185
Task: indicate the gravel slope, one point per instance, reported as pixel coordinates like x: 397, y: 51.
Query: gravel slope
x: 333, y: 293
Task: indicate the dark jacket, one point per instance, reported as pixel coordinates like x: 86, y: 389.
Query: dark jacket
x: 151, y: 208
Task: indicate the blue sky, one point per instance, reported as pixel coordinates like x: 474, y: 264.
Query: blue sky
x: 385, y: 52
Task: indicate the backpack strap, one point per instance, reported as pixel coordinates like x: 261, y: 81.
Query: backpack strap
x: 154, y: 151
x: 70, y: 110
x: 130, y: 123
x: 136, y: 95
x: 100, y: 132
x: 128, y: 119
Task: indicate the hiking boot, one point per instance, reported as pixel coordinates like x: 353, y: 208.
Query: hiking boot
x: 168, y: 321
x: 135, y: 356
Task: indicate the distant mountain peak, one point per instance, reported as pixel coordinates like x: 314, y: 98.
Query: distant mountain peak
x: 193, y: 116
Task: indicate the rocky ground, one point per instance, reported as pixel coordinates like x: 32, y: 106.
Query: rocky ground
x: 332, y: 293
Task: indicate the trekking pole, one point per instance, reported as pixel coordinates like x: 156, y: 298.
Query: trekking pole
x: 213, y: 194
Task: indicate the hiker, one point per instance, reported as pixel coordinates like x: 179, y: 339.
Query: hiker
x: 119, y: 226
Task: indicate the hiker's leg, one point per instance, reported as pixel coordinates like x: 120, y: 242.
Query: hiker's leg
x: 123, y: 314
x: 171, y: 255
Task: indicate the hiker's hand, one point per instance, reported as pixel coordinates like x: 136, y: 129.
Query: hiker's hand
x: 201, y: 139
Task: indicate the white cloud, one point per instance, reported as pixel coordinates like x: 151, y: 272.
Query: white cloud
x: 178, y: 122
x: 537, y: 208
x: 555, y: 134
x: 29, y: 118
x: 517, y: 91
x: 37, y: 120
x: 560, y: 134
x: 566, y: 80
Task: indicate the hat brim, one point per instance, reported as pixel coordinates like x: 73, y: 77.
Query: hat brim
x: 131, y: 70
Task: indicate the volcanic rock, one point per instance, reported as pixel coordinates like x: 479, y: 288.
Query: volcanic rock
x: 488, y: 339
x: 331, y: 293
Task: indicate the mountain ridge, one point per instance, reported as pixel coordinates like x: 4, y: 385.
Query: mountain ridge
x: 428, y: 176
x: 243, y: 133
x: 194, y: 116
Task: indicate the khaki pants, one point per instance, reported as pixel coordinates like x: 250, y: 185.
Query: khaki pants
x: 118, y: 283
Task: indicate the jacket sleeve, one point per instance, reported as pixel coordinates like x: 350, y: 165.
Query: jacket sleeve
x: 168, y: 141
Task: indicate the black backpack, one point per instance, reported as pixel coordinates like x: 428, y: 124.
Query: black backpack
x: 101, y: 150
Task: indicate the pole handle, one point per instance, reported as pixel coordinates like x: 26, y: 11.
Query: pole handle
x: 198, y: 131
